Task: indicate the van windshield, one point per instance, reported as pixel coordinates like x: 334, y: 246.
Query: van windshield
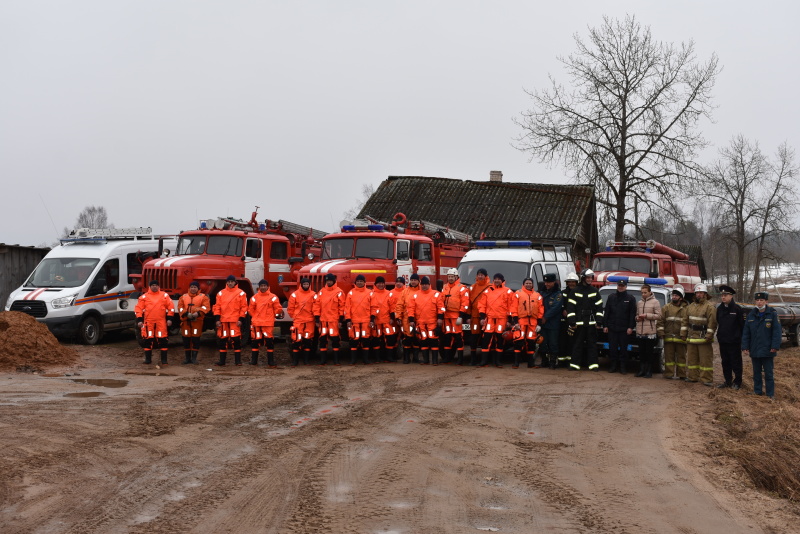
x: 625, y: 264
x: 513, y: 271
x: 62, y: 272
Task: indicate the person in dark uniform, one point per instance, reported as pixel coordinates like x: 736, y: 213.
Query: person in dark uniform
x: 585, y: 316
x: 619, y: 323
x: 565, y: 340
x: 553, y: 305
x: 730, y: 323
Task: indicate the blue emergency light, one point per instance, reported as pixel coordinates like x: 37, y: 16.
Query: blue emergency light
x: 638, y: 280
x: 203, y: 225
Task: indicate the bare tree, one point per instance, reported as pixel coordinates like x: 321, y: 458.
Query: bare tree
x: 366, y: 191
x: 91, y: 217
x: 628, y: 123
x: 756, y: 200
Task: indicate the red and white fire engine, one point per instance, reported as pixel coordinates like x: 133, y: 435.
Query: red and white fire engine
x: 399, y: 248
x: 638, y: 260
x: 272, y: 250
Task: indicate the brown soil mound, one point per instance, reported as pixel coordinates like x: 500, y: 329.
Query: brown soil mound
x: 26, y: 344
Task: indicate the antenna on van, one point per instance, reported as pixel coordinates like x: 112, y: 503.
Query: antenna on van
x: 50, y: 216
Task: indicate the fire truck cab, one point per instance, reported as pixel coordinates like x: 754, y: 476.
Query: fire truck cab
x: 373, y: 248
x: 250, y: 251
x: 638, y: 260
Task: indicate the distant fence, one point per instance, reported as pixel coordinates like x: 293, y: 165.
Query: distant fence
x: 16, y: 263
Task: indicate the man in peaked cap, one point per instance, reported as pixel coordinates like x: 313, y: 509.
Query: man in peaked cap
x: 761, y: 340
x: 730, y: 323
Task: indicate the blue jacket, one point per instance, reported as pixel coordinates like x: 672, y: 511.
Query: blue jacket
x: 553, y: 304
x: 762, y: 333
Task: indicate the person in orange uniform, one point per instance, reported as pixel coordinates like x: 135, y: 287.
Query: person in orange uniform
x: 481, y: 284
x: 301, y: 310
x: 530, y: 310
x: 230, y: 310
x: 497, y: 308
x: 455, y: 302
x: 264, y: 308
x: 192, y: 309
x: 383, y: 303
x: 426, y: 317
x: 410, y: 341
x: 154, y: 312
x: 328, y: 309
x: 356, y: 314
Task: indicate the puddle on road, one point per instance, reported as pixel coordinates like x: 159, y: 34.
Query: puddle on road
x: 85, y: 394
x: 102, y: 382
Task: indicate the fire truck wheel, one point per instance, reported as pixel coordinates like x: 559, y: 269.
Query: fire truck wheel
x: 90, y: 331
x: 796, y: 340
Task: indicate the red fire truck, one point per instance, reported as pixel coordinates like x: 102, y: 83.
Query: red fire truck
x: 638, y: 260
x: 272, y: 250
x: 399, y: 248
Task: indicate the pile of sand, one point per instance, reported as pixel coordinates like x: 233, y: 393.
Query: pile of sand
x: 27, y: 344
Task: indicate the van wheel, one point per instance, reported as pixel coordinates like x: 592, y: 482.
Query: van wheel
x: 90, y: 331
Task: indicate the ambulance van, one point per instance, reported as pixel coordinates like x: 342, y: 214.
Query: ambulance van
x: 81, y: 288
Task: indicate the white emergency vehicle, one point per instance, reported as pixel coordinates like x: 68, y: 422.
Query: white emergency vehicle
x: 517, y: 260
x: 81, y: 288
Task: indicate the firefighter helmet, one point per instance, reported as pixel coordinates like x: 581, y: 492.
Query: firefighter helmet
x: 701, y: 288
x: 572, y: 277
x: 587, y: 273
x: 679, y: 290
x: 453, y: 271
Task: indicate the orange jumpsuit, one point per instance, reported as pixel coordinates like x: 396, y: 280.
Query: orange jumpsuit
x: 199, y: 304
x: 356, y: 313
x: 454, y: 299
x: 301, y: 310
x: 497, y: 304
x: 230, y: 308
x: 475, y: 292
x: 426, y: 310
x: 263, y: 309
x: 530, y: 309
x: 410, y: 342
x: 383, y: 304
x: 328, y: 309
x: 153, y: 308
x: 192, y: 329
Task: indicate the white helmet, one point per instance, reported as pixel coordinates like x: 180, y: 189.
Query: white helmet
x: 586, y: 273
x: 701, y: 287
x: 571, y: 277
x: 677, y: 288
x: 453, y: 271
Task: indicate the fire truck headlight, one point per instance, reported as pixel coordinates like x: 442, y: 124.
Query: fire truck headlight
x: 311, y: 256
x: 63, y: 302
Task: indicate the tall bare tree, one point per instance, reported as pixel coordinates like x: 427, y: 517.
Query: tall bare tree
x: 757, y: 201
x: 366, y: 191
x: 627, y: 122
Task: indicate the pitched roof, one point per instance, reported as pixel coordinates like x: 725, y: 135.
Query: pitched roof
x: 500, y: 210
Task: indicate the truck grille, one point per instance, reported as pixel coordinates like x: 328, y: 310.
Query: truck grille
x: 317, y: 281
x: 167, y: 278
x: 36, y: 308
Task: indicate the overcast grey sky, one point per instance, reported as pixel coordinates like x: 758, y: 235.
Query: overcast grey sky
x: 167, y: 112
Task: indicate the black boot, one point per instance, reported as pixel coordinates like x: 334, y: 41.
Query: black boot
x: 254, y: 357
x: 623, y: 367
x: 459, y: 356
x: 614, y: 366
x: 271, y: 359
x: 237, y: 357
x: 187, y: 357
x: 649, y: 369
x: 194, y: 357
x: 222, y: 357
x: 516, y: 360
x: 483, y: 358
x: 642, y: 368
x: 406, y: 355
x: 163, y: 357
x: 147, y: 357
x: 553, y: 361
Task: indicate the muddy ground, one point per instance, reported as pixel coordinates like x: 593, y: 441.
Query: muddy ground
x: 385, y: 448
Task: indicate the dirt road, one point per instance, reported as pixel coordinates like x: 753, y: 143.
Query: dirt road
x: 386, y: 448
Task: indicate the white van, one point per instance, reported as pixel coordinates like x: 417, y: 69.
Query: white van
x: 80, y: 289
x: 517, y: 260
